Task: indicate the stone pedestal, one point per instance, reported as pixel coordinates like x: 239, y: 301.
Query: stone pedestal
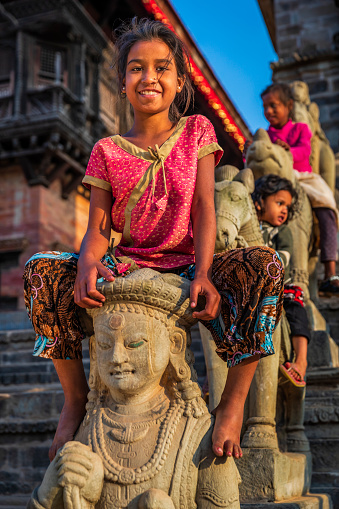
x: 268, y: 474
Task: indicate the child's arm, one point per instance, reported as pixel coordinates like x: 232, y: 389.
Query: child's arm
x: 93, y: 248
x: 204, y: 234
x: 301, y: 150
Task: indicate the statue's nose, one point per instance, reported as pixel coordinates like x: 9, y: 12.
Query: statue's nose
x: 119, y: 353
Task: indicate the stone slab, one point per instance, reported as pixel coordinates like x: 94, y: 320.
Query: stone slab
x: 309, y: 501
x: 270, y: 475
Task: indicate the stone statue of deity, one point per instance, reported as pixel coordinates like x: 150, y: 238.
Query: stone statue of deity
x: 145, y: 442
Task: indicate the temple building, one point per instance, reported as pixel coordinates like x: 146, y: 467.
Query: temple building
x: 58, y: 96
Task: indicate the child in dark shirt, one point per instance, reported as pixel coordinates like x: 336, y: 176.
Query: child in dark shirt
x: 274, y: 199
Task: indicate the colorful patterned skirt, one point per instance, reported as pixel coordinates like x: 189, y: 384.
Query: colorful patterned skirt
x: 250, y: 283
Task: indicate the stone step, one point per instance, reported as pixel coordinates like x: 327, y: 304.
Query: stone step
x: 23, y: 466
x: 322, y: 351
x: 327, y: 482
x: 14, y: 501
x: 329, y: 308
x: 21, y: 428
x: 26, y: 356
x: 27, y: 402
x: 35, y: 372
x: 14, y: 340
x: 308, y: 501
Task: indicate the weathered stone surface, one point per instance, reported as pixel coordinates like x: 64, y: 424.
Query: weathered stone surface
x: 268, y: 474
x: 319, y: 350
x: 147, y: 427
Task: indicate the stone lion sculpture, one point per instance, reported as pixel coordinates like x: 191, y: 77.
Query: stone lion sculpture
x: 145, y: 442
x: 237, y: 225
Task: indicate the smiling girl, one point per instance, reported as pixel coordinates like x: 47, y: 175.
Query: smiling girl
x: 155, y: 186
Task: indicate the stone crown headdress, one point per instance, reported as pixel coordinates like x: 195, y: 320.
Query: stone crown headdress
x: 168, y: 293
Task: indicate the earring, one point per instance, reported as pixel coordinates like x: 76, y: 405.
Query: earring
x: 123, y: 93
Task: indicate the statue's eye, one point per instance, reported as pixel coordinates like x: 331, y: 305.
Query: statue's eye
x: 235, y: 197
x: 136, y: 344
x: 104, y: 346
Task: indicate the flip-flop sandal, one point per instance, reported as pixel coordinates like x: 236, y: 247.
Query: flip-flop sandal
x: 287, y: 372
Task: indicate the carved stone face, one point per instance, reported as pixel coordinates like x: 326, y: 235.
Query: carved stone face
x: 133, y: 352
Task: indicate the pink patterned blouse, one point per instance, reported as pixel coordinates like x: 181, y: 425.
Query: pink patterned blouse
x: 298, y: 136
x: 153, y: 191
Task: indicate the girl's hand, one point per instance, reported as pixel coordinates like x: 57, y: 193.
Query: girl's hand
x: 283, y: 144
x: 86, y: 294
x: 203, y: 286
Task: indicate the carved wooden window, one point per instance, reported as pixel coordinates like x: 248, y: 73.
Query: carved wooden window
x: 6, y: 71
x: 51, y: 65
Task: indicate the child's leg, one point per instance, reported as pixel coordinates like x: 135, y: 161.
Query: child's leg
x: 299, y: 366
x: 229, y: 413
x: 49, y: 282
x: 330, y: 270
x: 74, y: 384
x: 300, y: 332
x: 250, y: 282
x: 328, y: 242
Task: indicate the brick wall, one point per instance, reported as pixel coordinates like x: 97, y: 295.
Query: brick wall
x: 42, y: 218
x: 304, y: 25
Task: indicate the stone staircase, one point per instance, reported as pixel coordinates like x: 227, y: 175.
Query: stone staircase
x: 31, y: 399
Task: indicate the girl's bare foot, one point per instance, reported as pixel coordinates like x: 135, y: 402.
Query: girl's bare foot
x: 226, y: 433
x: 229, y: 412
x: 71, y: 417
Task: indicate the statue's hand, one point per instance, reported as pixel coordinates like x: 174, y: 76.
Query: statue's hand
x: 78, y: 466
x: 49, y: 492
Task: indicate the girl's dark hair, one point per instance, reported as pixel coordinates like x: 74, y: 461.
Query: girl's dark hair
x: 271, y: 184
x: 284, y: 91
x: 148, y: 30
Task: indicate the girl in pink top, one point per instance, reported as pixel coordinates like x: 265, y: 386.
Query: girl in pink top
x: 296, y: 137
x: 155, y: 186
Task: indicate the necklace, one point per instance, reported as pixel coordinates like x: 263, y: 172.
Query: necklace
x: 127, y: 433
